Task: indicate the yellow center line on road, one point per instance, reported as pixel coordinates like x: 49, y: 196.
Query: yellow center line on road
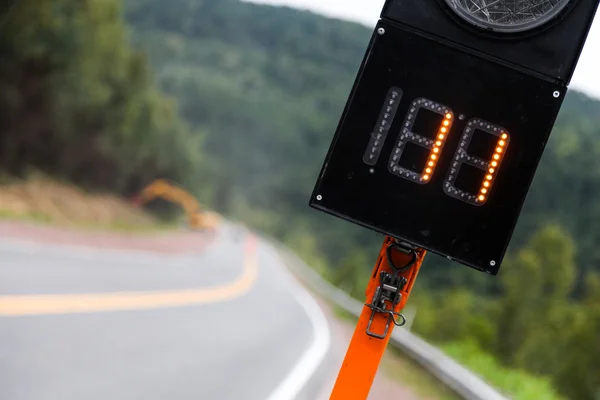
x: 23, y: 305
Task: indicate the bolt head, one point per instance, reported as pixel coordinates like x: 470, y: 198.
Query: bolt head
x: 493, y: 263
x: 381, y: 31
x: 556, y: 94
x: 319, y: 197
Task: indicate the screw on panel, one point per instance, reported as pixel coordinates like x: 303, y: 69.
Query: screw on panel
x: 381, y: 31
x: 319, y: 197
x: 372, y: 170
x: 493, y: 263
x: 556, y: 94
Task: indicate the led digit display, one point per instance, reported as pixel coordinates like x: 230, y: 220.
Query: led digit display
x: 382, y: 127
x: 421, y: 141
x: 477, y: 161
x: 454, y: 154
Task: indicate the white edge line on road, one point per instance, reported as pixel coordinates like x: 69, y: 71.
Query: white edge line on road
x: 313, y: 357
x: 291, y: 386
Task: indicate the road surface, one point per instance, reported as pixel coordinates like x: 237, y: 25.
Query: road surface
x: 226, y: 322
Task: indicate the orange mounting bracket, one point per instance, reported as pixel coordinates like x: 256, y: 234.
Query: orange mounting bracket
x: 387, y: 292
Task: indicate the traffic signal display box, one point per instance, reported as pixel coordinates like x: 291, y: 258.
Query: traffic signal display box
x: 550, y: 51
x: 417, y: 141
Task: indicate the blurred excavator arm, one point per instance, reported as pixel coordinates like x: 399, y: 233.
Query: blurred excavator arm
x: 160, y: 188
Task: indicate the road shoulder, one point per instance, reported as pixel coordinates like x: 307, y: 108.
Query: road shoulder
x: 164, y: 243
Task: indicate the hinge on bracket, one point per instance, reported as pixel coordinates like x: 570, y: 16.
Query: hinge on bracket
x: 386, y: 298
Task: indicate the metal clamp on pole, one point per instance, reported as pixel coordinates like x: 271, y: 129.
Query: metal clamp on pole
x: 387, y: 292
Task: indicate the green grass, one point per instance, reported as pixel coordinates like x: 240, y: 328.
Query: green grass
x: 123, y: 227
x: 519, y: 385
x: 397, y: 366
x: 31, y: 217
x: 343, y: 314
x: 45, y: 200
x: 117, y: 226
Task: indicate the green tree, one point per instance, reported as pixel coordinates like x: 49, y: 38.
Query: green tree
x: 353, y: 273
x: 78, y: 102
x: 579, y: 375
x: 536, y: 307
x: 268, y: 86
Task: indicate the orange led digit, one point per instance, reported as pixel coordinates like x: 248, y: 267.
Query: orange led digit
x: 437, y: 146
x: 491, y: 171
x: 421, y: 141
x: 477, y: 162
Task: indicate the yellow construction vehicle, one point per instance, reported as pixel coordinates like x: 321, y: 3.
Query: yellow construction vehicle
x: 197, y: 219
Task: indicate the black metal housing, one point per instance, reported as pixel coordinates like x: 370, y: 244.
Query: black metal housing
x: 403, y: 61
x: 552, y: 50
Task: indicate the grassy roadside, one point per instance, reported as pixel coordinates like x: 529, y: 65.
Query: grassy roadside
x: 520, y: 384
x: 42, y: 200
x: 395, y: 366
x: 402, y: 369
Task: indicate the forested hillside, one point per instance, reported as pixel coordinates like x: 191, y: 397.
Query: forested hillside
x: 239, y: 102
x: 77, y: 102
x: 268, y: 86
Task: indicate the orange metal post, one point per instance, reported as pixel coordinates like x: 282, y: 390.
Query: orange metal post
x: 365, y: 352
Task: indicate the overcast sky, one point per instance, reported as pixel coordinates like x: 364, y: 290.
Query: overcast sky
x: 587, y: 74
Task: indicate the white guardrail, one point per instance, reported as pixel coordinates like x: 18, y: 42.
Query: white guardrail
x: 462, y: 381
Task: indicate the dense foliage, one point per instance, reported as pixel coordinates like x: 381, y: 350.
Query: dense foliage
x: 76, y: 101
x: 259, y: 91
x: 268, y: 85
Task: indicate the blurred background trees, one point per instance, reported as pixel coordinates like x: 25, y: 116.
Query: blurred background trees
x: 238, y: 102
x: 78, y: 102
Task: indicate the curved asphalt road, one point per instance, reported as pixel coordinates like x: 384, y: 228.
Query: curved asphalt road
x: 226, y: 323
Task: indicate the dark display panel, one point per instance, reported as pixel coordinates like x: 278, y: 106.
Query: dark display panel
x: 458, y: 155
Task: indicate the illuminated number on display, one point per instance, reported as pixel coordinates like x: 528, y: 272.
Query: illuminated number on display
x: 418, y: 149
x: 382, y: 127
x: 476, y: 162
x: 421, y: 141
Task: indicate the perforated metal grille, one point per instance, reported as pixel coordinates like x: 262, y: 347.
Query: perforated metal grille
x: 508, y: 15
